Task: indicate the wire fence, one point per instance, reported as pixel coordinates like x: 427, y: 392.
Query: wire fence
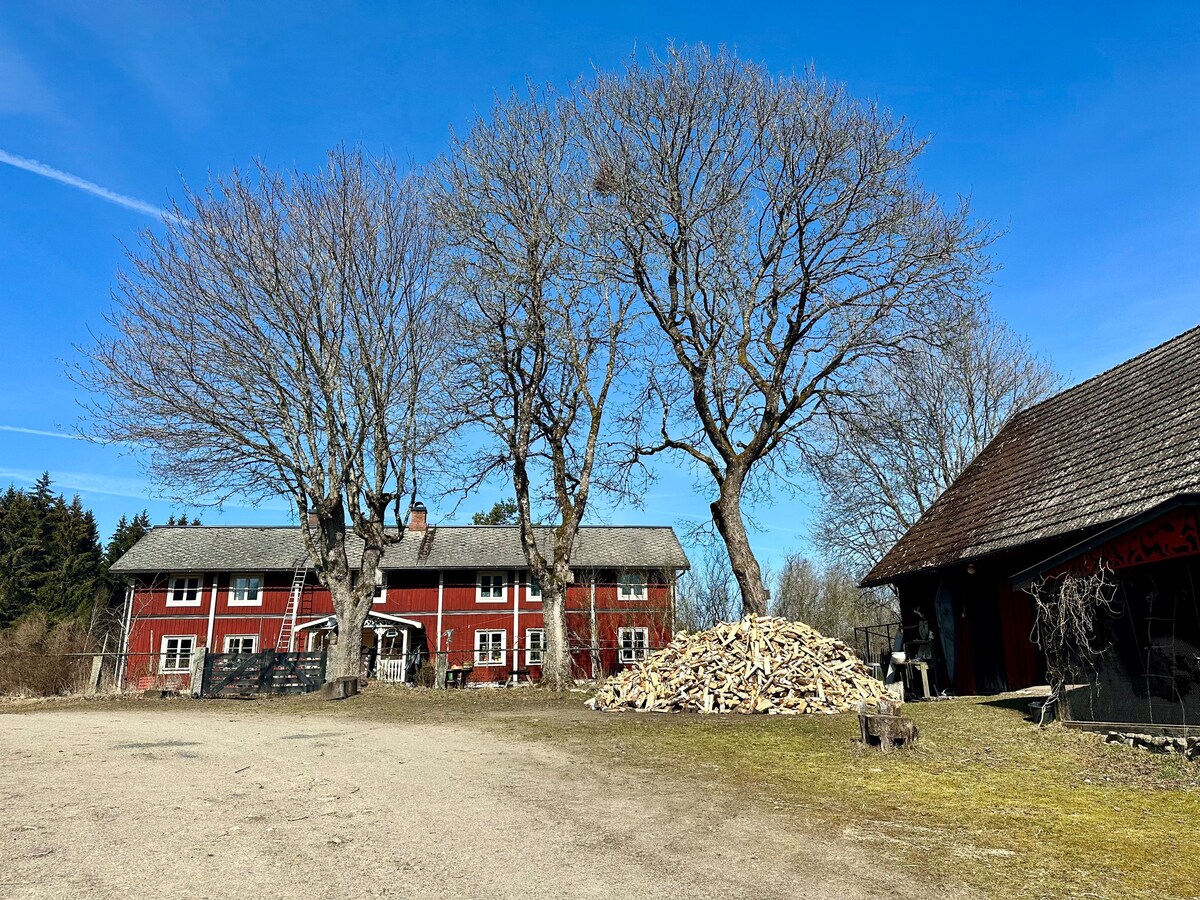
x: 31, y: 672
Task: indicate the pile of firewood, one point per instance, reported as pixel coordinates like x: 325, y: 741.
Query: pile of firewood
x: 758, y: 665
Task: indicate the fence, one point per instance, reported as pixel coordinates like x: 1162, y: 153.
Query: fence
x: 874, y: 644
x: 248, y: 674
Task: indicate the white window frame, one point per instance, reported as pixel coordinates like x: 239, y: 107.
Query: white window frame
x: 172, y: 590
x: 252, y: 638
x: 535, y: 656
x: 379, y: 598
x: 503, y: 583
x: 494, y: 654
x: 531, y: 595
x: 632, y: 584
x: 177, y: 654
x: 233, y: 590
x: 633, y: 653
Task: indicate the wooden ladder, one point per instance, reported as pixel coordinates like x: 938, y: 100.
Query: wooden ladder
x: 287, y: 628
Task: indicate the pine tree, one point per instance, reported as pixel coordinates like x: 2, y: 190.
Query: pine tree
x: 50, y: 555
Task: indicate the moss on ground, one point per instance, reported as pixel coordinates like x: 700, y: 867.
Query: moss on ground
x: 985, y: 798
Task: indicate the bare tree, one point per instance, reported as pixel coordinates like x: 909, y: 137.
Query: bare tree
x: 541, y: 340
x: 912, y: 424
x: 779, y: 237
x: 828, y: 599
x: 276, y: 340
x: 707, y: 593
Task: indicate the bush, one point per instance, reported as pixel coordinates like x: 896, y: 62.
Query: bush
x: 33, y: 660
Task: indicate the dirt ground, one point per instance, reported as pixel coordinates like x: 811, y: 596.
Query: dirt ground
x: 140, y: 800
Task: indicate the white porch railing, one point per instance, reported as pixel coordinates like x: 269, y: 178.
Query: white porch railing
x: 391, y: 669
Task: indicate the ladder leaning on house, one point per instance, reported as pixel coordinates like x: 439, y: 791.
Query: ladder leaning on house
x: 287, y: 628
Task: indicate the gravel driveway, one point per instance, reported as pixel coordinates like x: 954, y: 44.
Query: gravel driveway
x: 185, y: 802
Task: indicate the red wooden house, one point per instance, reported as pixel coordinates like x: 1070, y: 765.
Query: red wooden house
x: 462, y: 591
x: 1107, y: 470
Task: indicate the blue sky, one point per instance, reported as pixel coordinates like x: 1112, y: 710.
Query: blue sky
x: 1074, y: 127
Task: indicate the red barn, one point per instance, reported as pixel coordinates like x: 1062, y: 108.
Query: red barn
x: 1109, y: 471
x: 463, y: 591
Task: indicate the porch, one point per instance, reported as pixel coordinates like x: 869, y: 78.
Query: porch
x: 392, y: 646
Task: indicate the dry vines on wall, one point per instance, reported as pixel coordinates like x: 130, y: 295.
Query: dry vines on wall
x: 1067, y: 610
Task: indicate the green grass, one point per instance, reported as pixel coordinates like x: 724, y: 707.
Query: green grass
x: 985, y: 798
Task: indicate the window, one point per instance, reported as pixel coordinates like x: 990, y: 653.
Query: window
x: 632, y: 585
x: 535, y: 645
x: 241, y: 643
x: 245, y: 590
x: 535, y: 591
x: 177, y: 654
x: 490, y: 587
x: 184, y: 590
x: 380, y: 595
x: 633, y: 644
x: 489, y: 648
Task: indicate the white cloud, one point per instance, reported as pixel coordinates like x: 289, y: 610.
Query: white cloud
x: 37, y: 168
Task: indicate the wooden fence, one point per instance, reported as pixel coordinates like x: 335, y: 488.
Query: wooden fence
x: 247, y: 674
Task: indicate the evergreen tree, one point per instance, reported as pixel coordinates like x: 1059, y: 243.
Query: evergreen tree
x: 50, y: 555
x: 128, y: 533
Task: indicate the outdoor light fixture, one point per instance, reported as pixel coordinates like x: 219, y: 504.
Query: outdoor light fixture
x: 970, y: 568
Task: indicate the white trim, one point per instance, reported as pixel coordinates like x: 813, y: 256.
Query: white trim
x: 516, y: 628
x: 490, y: 573
x: 441, y: 587
x: 495, y: 654
x: 530, y: 596
x: 372, y: 614
x: 253, y: 638
x: 541, y: 651
x: 162, y: 658
x: 199, y: 576
x: 262, y: 586
x: 212, y: 613
x: 634, y: 653
x: 636, y: 582
x: 121, y: 666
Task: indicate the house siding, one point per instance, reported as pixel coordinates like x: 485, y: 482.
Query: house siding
x: 412, y: 595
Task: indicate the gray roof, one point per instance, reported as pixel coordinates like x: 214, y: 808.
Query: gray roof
x: 204, y: 548
x: 1110, y: 447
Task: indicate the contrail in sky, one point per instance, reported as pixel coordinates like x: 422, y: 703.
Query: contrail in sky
x: 58, y: 434
x: 37, y: 168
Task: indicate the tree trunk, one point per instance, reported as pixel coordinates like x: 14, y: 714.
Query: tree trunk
x: 727, y: 516
x: 345, y: 657
x: 556, y: 658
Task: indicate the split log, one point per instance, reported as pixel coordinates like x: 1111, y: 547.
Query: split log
x: 759, y: 665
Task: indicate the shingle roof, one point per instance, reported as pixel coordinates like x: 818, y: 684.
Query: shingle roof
x: 1108, y: 448
x: 250, y: 549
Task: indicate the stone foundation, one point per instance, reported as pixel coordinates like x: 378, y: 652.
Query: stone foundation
x: 1188, y: 747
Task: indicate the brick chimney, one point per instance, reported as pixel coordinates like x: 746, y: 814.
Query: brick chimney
x: 416, y: 517
x: 312, y: 520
